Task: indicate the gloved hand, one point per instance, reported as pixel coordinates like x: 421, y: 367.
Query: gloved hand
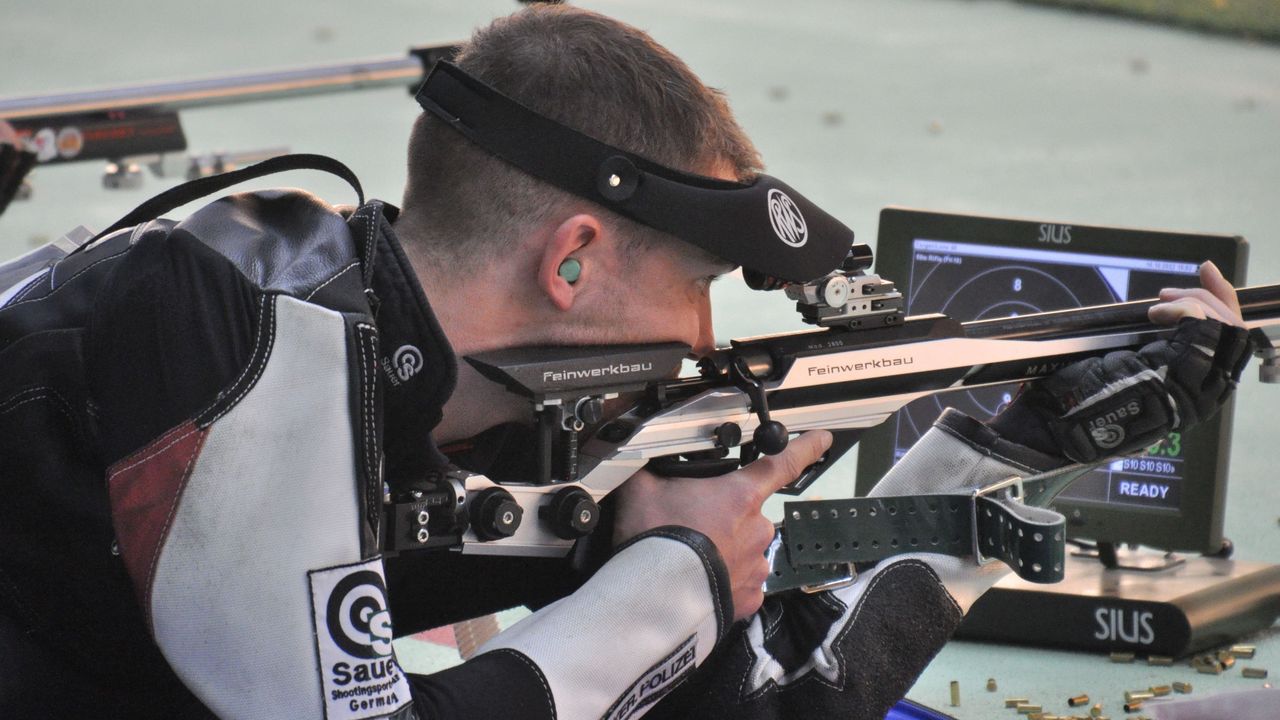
x: 1125, y: 401
x: 854, y: 651
x: 849, y: 653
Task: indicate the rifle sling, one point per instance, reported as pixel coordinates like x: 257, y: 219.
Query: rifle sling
x: 822, y: 539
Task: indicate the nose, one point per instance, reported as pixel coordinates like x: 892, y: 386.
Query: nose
x: 706, y: 338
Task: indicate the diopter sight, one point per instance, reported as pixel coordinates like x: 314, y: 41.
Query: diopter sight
x: 848, y: 296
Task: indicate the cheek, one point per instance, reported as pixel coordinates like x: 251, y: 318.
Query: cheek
x: 689, y: 319
x: 660, y: 314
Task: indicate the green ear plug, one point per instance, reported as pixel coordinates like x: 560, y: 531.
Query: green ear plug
x: 570, y: 270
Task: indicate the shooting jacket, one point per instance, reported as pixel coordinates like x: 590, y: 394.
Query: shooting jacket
x: 197, y: 419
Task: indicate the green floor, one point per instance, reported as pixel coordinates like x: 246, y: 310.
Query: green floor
x: 1239, y: 18
x: 981, y: 106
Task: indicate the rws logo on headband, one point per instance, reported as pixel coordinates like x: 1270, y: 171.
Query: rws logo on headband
x: 788, y: 223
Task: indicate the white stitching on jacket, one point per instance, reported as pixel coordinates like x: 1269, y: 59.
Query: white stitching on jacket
x: 67, y: 282
x: 260, y: 346
x: 335, y: 276
x: 551, y: 702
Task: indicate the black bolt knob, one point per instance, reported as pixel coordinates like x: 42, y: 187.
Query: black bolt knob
x: 770, y: 437
x: 728, y: 435
x: 495, y: 514
x: 572, y: 513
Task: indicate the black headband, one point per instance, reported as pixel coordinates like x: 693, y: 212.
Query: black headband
x: 763, y: 226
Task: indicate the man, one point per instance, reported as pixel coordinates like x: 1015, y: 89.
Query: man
x: 247, y: 380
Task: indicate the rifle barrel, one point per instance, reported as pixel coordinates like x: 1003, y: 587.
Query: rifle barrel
x: 1258, y: 304
x: 227, y: 89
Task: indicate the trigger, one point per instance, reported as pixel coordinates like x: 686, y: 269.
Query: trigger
x: 806, y: 477
x: 842, y: 442
x: 677, y: 466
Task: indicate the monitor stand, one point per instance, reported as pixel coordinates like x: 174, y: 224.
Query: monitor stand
x: 1114, y: 558
x: 1174, y: 610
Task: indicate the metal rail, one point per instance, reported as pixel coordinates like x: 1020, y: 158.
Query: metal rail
x: 1259, y: 305
x: 228, y: 89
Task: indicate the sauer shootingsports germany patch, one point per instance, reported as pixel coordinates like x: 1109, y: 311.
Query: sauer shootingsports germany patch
x: 358, y: 669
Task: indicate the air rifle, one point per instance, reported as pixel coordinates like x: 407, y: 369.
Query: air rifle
x: 136, y: 125
x: 862, y: 362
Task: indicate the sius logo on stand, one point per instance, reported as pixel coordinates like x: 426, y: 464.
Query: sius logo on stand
x: 1131, y: 626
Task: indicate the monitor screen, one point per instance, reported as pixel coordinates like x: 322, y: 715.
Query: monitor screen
x: 972, y: 268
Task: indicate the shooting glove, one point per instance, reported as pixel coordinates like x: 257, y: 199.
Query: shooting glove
x: 1125, y: 401
x: 14, y: 166
x: 855, y: 651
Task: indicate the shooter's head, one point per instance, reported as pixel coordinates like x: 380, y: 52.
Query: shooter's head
x: 556, y: 126
x: 468, y: 214
x: 597, y: 75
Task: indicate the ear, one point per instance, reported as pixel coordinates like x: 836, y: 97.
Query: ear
x: 566, y: 239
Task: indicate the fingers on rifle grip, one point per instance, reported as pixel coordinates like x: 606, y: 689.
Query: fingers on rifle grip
x: 1169, y: 313
x: 1212, y: 279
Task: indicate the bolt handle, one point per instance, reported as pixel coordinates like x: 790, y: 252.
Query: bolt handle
x: 770, y: 437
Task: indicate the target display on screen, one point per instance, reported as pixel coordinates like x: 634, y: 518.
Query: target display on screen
x: 968, y: 281
x: 972, y: 267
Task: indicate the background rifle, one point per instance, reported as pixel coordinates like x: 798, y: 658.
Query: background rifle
x: 136, y: 125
